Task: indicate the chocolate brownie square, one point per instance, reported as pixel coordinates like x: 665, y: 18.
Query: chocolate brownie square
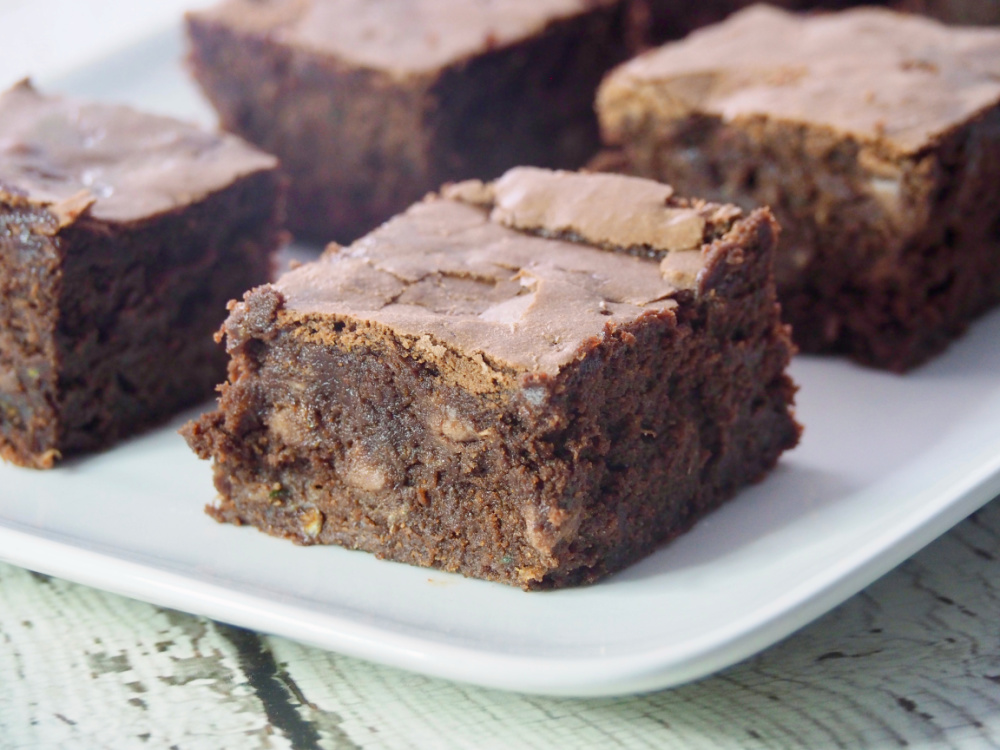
x: 370, y: 105
x: 874, y: 137
x: 122, y: 236
x: 536, y: 381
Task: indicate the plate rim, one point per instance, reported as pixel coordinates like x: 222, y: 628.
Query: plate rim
x: 581, y: 676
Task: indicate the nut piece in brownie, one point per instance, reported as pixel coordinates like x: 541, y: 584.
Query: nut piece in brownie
x: 874, y: 137
x: 122, y: 236
x: 370, y: 105
x: 535, y: 381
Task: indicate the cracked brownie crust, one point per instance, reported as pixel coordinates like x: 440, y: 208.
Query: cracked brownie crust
x: 122, y: 236
x: 872, y: 135
x: 509, y: 380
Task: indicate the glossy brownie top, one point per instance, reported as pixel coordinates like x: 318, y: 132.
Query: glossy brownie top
x: 521, y: 272
x: 111, y: 161
x: 398, y: 36
x: 900, y: 80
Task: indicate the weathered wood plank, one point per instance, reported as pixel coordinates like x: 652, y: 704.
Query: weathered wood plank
x: 83, y: 669
x: 914, y: 660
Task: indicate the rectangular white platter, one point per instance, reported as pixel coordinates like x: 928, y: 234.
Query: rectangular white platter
x: 887, y: 463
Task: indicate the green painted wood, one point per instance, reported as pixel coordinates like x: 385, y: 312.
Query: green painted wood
x: 914, y: 660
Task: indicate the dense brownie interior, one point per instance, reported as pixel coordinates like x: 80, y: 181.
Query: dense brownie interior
x: 372, y: 105
x: 139, y: 306
x: 880, y: 173
x: 29, y: 292
x: 122, y: 236
x: 508, y: 388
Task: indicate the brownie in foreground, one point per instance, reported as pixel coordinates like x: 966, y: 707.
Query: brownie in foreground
x: 370, y: 105
x: 536, y: 381
x: 874, y: 136
x: 122, y: 236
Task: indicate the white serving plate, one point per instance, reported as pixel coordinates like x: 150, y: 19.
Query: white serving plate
x: 887, y: 463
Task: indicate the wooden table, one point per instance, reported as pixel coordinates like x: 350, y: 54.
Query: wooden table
x: 912, y: 661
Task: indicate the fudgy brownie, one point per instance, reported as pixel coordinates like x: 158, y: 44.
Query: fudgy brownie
x: 370, y: 105
x: 535, y: 381
x: 672, y: 19
x: 874, y: 137
x: 985, y: 12
x: 122, y: 236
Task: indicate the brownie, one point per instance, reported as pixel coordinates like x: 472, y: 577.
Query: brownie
x: 983, y: 12
x: 370, y: 105
x: 122, y: 236
x: 672, y: 19
x: 535, y: 381
x: 874, y: 137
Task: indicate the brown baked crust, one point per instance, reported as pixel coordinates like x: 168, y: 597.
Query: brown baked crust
x: 670, y: 20
x: 425, y: 423
x: 106, y: 323
x: 961, y: 12
x: 881, y: 173
x: 364, y: 126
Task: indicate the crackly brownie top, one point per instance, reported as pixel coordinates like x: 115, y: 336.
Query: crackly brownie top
x: 119, y: 164
x: 398, y: 36
x: 520, y: 271
x: 871, y: 73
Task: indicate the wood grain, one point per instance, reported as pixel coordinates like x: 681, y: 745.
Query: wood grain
x: 912, y: 661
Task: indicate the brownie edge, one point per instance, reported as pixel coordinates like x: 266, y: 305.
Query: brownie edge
x: 371, y: 105
x: 122, y: 237
x: 873, y: 136
x: 509, y: 381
